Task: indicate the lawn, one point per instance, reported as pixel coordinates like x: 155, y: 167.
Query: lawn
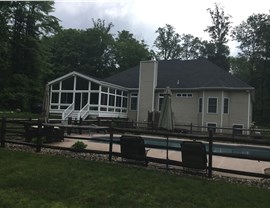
x: 35, y: 180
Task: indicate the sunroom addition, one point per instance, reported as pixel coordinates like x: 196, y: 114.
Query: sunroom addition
x: 78, y: 96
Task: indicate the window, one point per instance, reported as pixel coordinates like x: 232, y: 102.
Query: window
x: 104, y: 98
x: 56, y: 86
x: 66, y: 98
x: 94, y: 98
x: 226, y: 106
x: 184, y: 95
x: 94, y: 86
x: 212, y: 105
x: 133, y: 101
x: 82, y: 84
x: 160, y: 100
x: 68, y: 84
x: 111, y: 100
x: 55, y: 97
x: 200, y: 105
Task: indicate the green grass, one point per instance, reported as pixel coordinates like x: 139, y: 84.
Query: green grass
x: 34, y: 180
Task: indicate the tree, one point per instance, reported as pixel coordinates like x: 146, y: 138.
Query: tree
x: 25, y: 24
x: 254, y: 38
x: 98, y: 43
x: 129, y: 51
x: 167, y: 43
x: 191, y: 47
x: 218, y: 31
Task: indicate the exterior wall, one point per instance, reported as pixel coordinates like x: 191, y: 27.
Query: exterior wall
x: 147, y: 84
x: 186, y: 109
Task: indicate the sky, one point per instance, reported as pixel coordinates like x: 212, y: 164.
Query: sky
x: 143, y: 17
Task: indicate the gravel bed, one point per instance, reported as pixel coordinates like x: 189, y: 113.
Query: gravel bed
x: 259, y: 183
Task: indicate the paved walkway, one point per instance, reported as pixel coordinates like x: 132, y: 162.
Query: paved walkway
x: 219, y: 162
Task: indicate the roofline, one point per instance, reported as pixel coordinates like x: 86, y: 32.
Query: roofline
x: 73, y: 73
x: 113, y: 85
x: 211, y: 88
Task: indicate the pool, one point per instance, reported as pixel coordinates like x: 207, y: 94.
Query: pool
x: 230, y: 149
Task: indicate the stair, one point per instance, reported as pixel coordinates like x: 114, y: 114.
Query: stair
x: 74, y: 115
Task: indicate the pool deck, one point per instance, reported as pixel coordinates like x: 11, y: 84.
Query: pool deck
x: 219, y: 162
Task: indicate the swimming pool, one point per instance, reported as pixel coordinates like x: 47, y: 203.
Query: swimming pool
x: 229, y: 149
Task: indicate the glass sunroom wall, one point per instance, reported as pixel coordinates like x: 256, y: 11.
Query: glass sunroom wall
x: 113, y: 100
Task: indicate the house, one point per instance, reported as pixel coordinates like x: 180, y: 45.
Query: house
x: 202, y: 94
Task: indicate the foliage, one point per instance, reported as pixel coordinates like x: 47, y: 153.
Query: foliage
x: 129, y: 51
x: 167, y: 43
x: 254, y: 38
x: 79, y: 145
x: 34, y: 180
x: 218, y: 31
x: 22, y: 60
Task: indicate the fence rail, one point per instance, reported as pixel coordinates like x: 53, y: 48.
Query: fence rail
x: 7, y: 130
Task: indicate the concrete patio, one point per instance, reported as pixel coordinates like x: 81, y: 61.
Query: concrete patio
x: 219, y: 162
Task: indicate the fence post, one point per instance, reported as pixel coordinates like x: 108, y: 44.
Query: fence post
x: 190, y: 128
x: 3, y: 131
x: 111, y: 142
x: 69, y: 123
x: 80, y: 123
x: 39, y: 137
x: 210, y: 153
x: 233, y: 132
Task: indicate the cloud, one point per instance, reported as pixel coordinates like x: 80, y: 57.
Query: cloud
x: 143, y: 17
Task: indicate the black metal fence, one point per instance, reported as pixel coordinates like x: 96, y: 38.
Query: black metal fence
x: 13, y: 131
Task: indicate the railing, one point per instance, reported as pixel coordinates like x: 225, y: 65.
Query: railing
x: 68, y: 111
x: 83, y: 112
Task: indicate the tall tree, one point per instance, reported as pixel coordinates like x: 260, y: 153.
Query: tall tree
x: 167, y: 43
x: 129, y: 51
x: 191, y: 47
x: 253, y: 36
x: 218, y: 31
x: 27, y: 22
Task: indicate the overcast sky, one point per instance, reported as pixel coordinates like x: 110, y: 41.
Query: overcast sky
x: 143, y: 17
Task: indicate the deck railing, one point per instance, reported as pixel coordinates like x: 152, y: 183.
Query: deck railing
x: 83, y: 112
x: 68, y: 111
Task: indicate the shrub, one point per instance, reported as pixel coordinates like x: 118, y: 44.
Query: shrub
x: 79, y: 145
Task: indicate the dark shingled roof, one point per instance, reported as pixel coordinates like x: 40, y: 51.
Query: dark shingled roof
x: 199, y: 73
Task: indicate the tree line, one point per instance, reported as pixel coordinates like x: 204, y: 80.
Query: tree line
x: 34, y: 49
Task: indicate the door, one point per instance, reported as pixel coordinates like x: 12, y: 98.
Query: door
x: 78, y: 101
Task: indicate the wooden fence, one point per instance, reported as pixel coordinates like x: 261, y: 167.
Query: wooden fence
x: 15, y: 128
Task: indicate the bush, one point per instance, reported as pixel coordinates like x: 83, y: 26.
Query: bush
x: 79, y: 145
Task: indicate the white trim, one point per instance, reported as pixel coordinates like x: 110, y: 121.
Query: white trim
x: 139, y: 93
x: 203, y: 105
x: 221, y: 110
x: 248, y: 118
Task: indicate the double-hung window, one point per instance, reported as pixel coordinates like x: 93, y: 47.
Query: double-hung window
x: 212, y: 105
x: 133, y: 101
x: 226, y: 106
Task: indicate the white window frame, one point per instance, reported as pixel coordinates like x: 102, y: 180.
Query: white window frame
x: 132, y: 96
x: 188, y: 95
x: 200, y: 99
x: 208, y: 105
x: 160, y: 96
